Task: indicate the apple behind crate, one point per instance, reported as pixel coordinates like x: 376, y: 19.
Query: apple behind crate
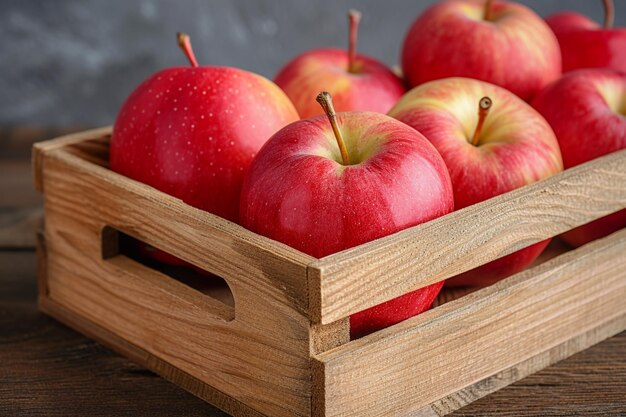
x: 503, y: 43
x: 586, y: 44
x: 357, y: 82
x: 286, y: 350
x: 588, y: 104
x: 492, y: 142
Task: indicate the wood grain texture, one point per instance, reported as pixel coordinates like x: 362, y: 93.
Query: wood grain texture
x: 207, y: 241
x: 146, y: 359
x: 413, y: 364
x: 47, y: 369
x: 353, y: 280
x: 261, y: 358
x: 590, y: 383
x: 40, y: 149
x: 498, y: 381
x: 555, y: 248
x: 267, y: 356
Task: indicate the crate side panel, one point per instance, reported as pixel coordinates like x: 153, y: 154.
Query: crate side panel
x: 261, y: 358
x: 410, y: 365
x: 199, y: 237
x: 353, y: 280
x: 493, y: 383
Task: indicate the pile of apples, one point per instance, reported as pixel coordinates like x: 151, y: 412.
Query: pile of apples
x: 499, y: 98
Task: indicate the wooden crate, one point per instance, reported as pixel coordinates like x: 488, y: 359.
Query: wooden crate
x: 284, y: 348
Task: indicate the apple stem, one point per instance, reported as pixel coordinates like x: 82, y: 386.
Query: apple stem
x: 609, y: 13
x: 487, y: 10
x: 184, y: 42
x: 483, y: 110
x: 326, y: 101
x: 354, y: 17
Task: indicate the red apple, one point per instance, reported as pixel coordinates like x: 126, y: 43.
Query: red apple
x: 357, y: 82
x: 587, y: 111
x: 504, y: 145
x: 322, y: 188
x: 503, y: 43
x: 586, y: 44
x: 192, y: 132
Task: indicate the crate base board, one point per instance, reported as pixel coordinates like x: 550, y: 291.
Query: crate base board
x: 226, y: 403
x: 525, y: 368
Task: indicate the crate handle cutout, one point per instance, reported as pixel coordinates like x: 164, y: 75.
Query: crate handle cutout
x: 205, y: 290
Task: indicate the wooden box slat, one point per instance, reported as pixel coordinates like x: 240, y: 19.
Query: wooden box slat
x: 40, y: 149
x: 353, y: 280
x: 284, y: 348
x: 199, y: 237
x: 437, y: 353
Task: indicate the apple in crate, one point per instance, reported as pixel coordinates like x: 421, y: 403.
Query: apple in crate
x: 357, y: 82
x: 492, y: 142
x: 501, y: 42
x: 192, y: 132
x: 586, y: 44
x: 587, y: 111
x: 324, y: 187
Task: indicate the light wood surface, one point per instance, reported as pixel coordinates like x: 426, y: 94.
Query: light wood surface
x: 278, y: 352
x: 353, y: 280
x: 260, y: 358
x: 417, y: 362
x: 40, y: 149
x: 49, y: 370
x: 502, y: 379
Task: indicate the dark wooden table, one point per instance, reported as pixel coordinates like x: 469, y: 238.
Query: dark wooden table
x: 47, y: 369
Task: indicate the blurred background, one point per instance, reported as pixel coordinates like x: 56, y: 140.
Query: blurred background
x: 73, y: 62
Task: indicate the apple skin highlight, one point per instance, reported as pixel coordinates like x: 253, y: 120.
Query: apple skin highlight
x: 298, y: 192
x: 372, y: 87
x: 587, y: 111
x: 515, y: 49
x: 516, y: 147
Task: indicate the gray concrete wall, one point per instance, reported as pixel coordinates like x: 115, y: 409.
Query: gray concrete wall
x: 74, y: 61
